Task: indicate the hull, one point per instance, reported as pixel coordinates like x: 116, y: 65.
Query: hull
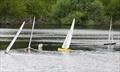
x: 64, y: 50
x: 110, y: 44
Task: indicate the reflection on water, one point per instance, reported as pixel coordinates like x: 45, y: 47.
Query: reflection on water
x: 53, y: 38
x: 68, y: 62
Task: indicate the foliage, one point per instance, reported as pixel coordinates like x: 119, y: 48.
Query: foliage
x: 12, y: 8
x: 88, y: 13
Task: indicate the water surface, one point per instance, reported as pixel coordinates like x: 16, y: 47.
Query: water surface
x: 53, y: 38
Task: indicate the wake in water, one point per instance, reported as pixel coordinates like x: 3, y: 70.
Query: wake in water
x: 76, y: 61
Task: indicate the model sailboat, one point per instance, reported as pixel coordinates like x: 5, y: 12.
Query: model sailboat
x: 66, y: 44
x: 110, y: 35
x: 29, y: 45
x: 110, y: 42
x: 14, y: 39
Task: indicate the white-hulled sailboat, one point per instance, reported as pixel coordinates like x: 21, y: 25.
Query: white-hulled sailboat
x: 14, y: 39
x: 110, y: 42
x: 110, y: 35
x: 29, y: 45
x: 66, y: 44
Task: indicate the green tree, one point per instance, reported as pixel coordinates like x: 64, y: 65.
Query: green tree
x: 12, y: 9
x: 83, y: 10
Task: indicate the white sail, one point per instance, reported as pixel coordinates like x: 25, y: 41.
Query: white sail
x: 67, y: 41
x: 14, y: 39
x: 110, y: 35
x: 29, y: 45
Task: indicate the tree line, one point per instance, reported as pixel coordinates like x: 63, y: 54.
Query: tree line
x: 59, y: 13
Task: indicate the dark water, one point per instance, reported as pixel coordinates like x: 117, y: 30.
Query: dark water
x: 53, y: 38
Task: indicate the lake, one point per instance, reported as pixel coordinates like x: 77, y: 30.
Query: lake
x: 53, y: 38
x: 89, y: 55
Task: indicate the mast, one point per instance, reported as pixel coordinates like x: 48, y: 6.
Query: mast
x: 29, y: 45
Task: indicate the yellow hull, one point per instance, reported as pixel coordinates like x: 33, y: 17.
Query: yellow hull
x: 64, y: 50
